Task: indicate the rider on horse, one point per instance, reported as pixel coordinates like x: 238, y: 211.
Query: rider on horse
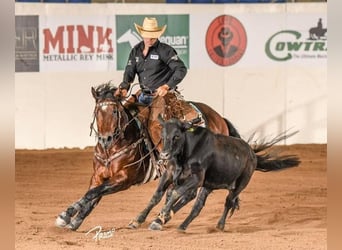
x: 159, y: 70
x: 157, y: 65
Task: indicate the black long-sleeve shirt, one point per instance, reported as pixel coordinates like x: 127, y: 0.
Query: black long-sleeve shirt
x: 160, y: 66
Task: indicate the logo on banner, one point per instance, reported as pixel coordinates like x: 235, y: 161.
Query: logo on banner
x: 26, y: 44
x: 176, y: 35
x: 226, y: 40
x: 291, y: 44
x: 77, y: 43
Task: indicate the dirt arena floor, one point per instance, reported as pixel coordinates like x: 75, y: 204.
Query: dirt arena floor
x: 279, y: 210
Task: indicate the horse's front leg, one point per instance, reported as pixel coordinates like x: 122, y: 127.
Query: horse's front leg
x: 91, y: 199
x: 74, y: 215
x: 182, y: 201
x: 164, y: 183
x: 196, y: 209
x: 86, y: 209
x: 183, y: 192
x: 64, y: 218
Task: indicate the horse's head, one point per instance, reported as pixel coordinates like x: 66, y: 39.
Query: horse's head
x: 109, y: 114
x: 173, y: 136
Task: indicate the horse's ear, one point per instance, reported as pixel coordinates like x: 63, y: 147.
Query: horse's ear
x: 113, y: 90
x: 93, y: 92
x: 160, y: 119
x: 186, y: 125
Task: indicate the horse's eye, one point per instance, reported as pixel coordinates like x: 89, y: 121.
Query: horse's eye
x: 176, y: 137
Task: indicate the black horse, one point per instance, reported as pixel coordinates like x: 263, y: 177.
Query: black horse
x: 199, y: 158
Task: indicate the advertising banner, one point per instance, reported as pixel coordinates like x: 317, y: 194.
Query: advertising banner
x: 254, y: 39
x: 26, y: 44
x: 264, y: 63
x: 91, y: 42
x: 302, y: 41
x: 77, y: 43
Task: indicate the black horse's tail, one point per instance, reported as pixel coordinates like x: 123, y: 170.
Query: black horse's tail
x: 232, y: 130
x: 271, y: 161
x: 267, y: 162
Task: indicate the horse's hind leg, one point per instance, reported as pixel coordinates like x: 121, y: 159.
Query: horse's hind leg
x: 135, y: 223
x: 232, y: 200
x: 183, y: 190
x: 183, y: 200
x: 232, y: 203
x: 196, y: 209
x: 164, y: 183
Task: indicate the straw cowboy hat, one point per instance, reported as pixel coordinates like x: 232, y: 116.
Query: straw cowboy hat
x: 150, y: 28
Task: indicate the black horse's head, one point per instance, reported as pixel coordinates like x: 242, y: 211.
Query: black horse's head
x: 173, y: 136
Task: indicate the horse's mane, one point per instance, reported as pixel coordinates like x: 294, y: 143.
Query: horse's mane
x: 105, y: 90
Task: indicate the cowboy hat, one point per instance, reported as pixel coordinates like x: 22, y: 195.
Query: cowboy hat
x: 150, y: 28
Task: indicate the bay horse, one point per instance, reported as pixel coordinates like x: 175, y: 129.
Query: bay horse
x: 197, y: 157
x: 121, y: 158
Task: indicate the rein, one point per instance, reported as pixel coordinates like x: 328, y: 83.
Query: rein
x: 119, y: 153
x: 142, y: 158
x: 119, y: 131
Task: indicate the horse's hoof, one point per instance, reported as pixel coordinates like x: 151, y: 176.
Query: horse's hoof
x: 133, y: 224
x: 71, y: 227
x: 220, y: 227
x: 168, y: 217
x: 62, y: 220
x: 181, y: 229
x: 155, y: 226
x: 74, y: 224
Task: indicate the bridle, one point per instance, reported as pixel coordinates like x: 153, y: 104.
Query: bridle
x: 118, y: 133
x: 97, y: 106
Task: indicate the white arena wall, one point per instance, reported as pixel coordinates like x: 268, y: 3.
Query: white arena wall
x: 257, y: 93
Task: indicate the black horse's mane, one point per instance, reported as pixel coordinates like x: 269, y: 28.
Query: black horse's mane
x: 105, y: 90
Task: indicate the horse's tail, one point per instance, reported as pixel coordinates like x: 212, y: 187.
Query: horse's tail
x: 271, y: 161
x: 232, y: 130
x: 268, y: 162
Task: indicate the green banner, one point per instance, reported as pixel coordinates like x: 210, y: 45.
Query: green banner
x: 176, y: 35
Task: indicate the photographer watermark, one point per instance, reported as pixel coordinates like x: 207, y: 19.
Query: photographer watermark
x: 99, y: 234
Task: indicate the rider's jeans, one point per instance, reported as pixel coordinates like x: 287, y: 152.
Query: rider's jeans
x: 145, y: 98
